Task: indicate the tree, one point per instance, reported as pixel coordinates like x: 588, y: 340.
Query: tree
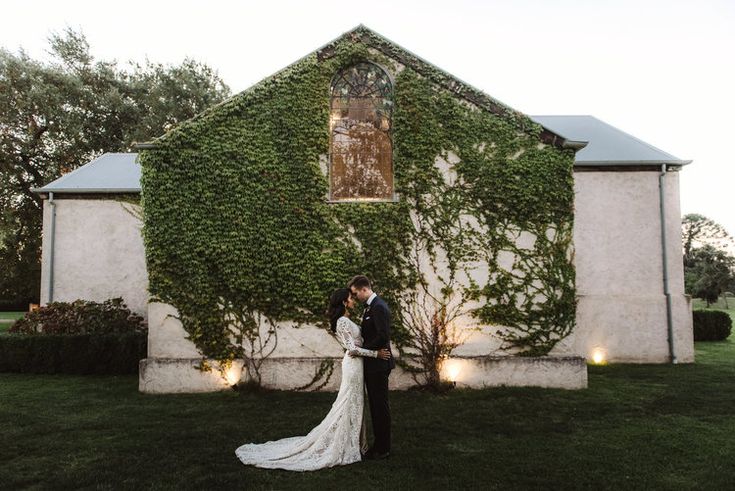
x: 710, y: 273
x: 58, y: 115
x: 697, y: 230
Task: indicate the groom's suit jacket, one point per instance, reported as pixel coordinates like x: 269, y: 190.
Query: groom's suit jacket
x: 375, y: 328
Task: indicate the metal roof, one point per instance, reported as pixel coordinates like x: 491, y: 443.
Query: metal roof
x: 607, y: 144
x: 120, y: 172
x: 108, y: 173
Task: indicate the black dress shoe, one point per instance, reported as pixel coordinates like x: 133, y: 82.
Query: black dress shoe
x: 380, y: 456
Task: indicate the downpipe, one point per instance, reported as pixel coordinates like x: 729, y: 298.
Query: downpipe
x: 667, y: 292
x: 52, y: 236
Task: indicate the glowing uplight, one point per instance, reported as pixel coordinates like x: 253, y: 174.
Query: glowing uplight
x: 233, y: 375
x: 452, y: 370
x: 598, y: 356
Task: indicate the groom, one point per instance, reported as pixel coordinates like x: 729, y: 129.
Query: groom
x: 376, y: 334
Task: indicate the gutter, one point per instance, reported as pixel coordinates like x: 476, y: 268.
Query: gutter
x: 52, y: 234
x: 145, y: 146
x: 634, y: 162
x: 60, y: 190
x: 667, y: 292
x: 576, y: 145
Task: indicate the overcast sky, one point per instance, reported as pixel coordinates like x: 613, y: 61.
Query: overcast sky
x: 663, y: 71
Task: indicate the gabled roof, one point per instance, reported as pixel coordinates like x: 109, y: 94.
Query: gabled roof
x: 607, y: 145
x: 372, y: 39
x: 440, y: 77
x: 108, y: 173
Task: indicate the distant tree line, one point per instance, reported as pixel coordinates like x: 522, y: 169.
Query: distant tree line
x: 709, y: 267
x: 59, y: 114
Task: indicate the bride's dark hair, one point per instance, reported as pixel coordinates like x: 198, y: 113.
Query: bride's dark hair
x: 336, y: 306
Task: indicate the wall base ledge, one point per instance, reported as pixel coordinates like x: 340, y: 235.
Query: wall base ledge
x: 179, y: 375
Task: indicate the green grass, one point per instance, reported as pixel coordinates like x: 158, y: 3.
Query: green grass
x: 637, y: 426
x: 11, y: 316
x: 7, y: 318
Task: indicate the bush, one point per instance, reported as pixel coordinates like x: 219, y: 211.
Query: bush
x: 108, y: 354
x: 80, y: 317
x: 16, y: 305
x: 711, y: 325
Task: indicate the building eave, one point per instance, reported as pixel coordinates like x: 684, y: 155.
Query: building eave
x: 425, y: 68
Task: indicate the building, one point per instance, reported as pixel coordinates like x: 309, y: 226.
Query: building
x: 626, y: 223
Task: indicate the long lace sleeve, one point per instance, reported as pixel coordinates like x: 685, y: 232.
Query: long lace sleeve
x: 345, y: 336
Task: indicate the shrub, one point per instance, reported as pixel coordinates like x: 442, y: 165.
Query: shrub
x: 711, y: 325
x: 80, y: 317
x: 16, y: 305
x: 107, y: 354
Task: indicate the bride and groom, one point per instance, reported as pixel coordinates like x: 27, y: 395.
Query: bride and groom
x: 341, y: 436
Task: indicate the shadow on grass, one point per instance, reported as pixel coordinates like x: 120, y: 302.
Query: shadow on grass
x: 637, y: 426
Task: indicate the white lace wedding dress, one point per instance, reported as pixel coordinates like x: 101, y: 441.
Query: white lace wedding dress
x: 341, y: 435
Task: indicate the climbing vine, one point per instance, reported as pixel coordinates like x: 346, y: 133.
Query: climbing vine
x: 322, y: 376
x: 240, y: 236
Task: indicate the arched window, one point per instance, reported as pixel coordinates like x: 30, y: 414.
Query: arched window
x: 361, y: 151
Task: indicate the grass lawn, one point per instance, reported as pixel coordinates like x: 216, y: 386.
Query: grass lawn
x: 11, y: 316
x: 637, y: 426
x: 7, y: 318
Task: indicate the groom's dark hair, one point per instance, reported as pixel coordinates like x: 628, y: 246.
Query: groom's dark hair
x: 359, y: 281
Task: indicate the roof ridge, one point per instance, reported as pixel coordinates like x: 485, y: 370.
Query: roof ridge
x: 452, y: 83
x: 502, y: 109
x: 210, y: 109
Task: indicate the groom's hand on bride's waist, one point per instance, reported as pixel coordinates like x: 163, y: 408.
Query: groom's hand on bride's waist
x: 383, y: 354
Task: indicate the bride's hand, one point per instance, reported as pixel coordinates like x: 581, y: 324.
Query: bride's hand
x: 384, y: 354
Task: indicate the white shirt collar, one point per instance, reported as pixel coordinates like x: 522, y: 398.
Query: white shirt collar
x: 372, y: 297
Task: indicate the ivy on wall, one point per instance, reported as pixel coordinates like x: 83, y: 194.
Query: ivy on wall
x: 239, y: 234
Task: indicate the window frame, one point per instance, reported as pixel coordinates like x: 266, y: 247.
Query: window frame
x: 329, y: 198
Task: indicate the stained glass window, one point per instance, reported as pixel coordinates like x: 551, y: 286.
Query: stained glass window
x: 360, y: 124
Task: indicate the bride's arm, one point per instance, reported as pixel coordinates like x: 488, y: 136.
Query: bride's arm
x: 343, y: 331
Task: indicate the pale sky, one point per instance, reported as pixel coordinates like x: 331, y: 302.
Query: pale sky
x: 663, y: 71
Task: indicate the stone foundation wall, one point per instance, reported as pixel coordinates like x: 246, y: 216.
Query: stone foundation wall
x: 174, y: 375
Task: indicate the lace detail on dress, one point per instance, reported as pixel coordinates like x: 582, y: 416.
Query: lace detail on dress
x: 337, y: 439
x: 352, y: 341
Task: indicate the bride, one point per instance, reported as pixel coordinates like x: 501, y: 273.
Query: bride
x: 340, y: 437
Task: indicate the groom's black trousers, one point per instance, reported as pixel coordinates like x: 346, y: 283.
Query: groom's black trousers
x: 377, y: 389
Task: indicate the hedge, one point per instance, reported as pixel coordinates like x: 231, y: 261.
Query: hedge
x: 108, y: 354
x: 711, y: 325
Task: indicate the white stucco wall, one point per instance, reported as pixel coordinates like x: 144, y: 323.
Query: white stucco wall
x: 618, y: 257
x: 98, y: 253
x: 622, y: 312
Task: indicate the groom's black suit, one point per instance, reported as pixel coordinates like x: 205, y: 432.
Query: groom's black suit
x: 376, y: 335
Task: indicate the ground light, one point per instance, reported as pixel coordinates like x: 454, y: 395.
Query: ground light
x: 232, y: 375
x: 453, y: 370
x: 598, y: 356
